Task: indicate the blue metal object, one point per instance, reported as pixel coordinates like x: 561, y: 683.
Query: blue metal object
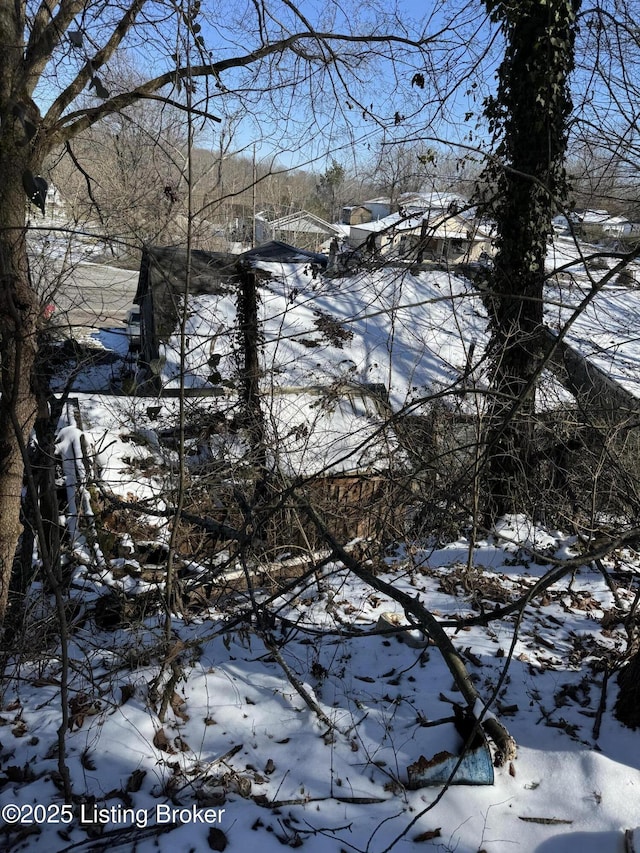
x: 473, y: 768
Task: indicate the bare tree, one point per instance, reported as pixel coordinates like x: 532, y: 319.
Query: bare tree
x: 68, y: 49
x: 401, y: 167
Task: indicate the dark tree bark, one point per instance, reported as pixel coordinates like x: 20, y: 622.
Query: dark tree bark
x: 627, y: 707
x: 526, y: 181
x: 18, y: 302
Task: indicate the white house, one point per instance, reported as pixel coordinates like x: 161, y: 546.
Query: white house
x: 301, y: 229
x: 617, y: 226
x: 450, y: 237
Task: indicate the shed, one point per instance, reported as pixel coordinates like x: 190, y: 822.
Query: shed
x: 304, y: 229
x: 163, y: 282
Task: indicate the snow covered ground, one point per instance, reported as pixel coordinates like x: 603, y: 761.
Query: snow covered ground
x: 288, y: 717
x: 240, y: 749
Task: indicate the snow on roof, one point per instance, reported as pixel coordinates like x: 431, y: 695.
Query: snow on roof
x: 409, y: 333
x: 328, y: 432
x: 439, y: 227
x: 302, y: 221
x: 379, y: 200
x: 432, y: 199
x: 606, y: 332
x: 594, y: 217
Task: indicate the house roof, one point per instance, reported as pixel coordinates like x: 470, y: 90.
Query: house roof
x: 593, y: 217
x: 163, y: 276
x: 302, y: 222
x: 440, y: 227
x: 163, y: 268
x: 338, y: 333
x: 432, y: 200
x: 276, y: 250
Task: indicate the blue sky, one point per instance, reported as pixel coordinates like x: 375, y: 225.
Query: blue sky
x: 342, y: 114
x: 346, y: 115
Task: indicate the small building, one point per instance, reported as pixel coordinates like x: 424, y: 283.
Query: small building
x: 617, y: 226
x: 162, y: 284
x: 302, y: 229
x: 378, y: 207
x: 356, y: 215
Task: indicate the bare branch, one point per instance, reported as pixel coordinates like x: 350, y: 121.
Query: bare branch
x: 47, y: 33
x: 86, y: 73
x: 70, y: 125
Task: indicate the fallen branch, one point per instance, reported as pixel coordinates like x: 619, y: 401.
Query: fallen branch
x: 505, y: 744
x: 261, y: 800
x: 299, y: 687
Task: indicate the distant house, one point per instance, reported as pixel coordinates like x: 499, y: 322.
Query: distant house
x: 595, y: 225
x: 356, y: 214
x: 421, y: 236
x: 433, y: 202
x: 54, y: 203
x: 302, y: 229
x: 617, y: 226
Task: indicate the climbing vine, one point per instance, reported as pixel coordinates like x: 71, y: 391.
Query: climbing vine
x: 524, y: 185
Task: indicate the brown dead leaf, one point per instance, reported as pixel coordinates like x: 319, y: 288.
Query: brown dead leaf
x: 162, y: 742
x: 428, y: 835
x: 81, y: 706
x: 177, y: 703
x: 19, y: 729
x: 127, y: 691
x: 134, y: 782
x: 87, y: 761
x: 182, y: 745
x: 19, y: 774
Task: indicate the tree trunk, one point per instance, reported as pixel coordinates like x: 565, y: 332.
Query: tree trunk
x: 18, y: 302
x: 526, y: 181
x: 627, y: 708
x: 18, y: 317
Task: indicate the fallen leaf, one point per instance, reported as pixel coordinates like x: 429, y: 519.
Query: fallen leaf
x: 135, y: 781
x: 127, y: 691
x: 87, y: 761
x: 428, y: 835
x: 217, y: 839
x: 547, y: 821
x: 162, y: 742
x: 20, y: 729
x: 177, y: 702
